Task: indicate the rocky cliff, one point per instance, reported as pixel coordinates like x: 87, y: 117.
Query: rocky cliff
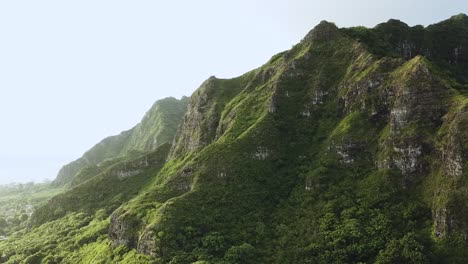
x: 349, y: 148
x: 337, y: 129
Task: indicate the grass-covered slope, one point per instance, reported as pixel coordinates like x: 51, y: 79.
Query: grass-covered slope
x: 72, y: 226
x: 107, y: 190
x: 157, y: 127
x: 340, y: 150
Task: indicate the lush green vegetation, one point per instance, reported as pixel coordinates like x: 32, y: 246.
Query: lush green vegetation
x: 157, y: 128
x: 17, y: 203
x: 443, y: 42
x: 349, y: 148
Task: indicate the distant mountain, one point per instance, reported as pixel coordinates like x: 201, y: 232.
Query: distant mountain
x: 156, y: 128
x: 351, y: 147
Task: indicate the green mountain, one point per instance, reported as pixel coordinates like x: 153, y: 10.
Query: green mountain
x: 351, y: 147
x: 157, y: 128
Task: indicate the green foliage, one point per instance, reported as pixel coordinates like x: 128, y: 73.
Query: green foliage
x: 17, y: 202
x: 441, y: 42
x: 244, y: 253
x: 157, y: 128
x: 214, y: 243
x: 308, y: 159
x: 405, y: 250
x: 107, y: 190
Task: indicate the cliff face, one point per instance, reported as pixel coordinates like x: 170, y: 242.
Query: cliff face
x: 157, y: 127
x: 328, y: 131
x: 349, y: 148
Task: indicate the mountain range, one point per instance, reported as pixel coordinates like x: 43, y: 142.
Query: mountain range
x: 351, y: 147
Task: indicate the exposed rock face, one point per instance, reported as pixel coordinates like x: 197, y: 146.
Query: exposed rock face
x: 345, y: 152
x: 200, y: 123
x: 148, y: 244
x: 456, y: 55
x: 195, y: 130
x: 262, y: 153
x: 417, y: 105
x: 122, y: 232
x: 407, y: 159
x: 448, y: 210
x: 183, y: 180
x: 273, y: 104
x: 441, y: 222
x: 319, y: 97
x: 453, y: 160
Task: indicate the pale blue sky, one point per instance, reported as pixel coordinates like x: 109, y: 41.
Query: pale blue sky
x: 74, y: 72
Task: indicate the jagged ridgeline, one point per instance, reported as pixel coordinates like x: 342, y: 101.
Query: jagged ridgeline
x: 349, y: 148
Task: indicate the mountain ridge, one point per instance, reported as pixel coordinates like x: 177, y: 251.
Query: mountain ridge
x: 349, y: 148
x: 140, y: 138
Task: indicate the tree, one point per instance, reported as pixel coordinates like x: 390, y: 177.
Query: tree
x: 24, y: 218
x: 214, y: 243
x: 241, y: 254
x: 404, y: 250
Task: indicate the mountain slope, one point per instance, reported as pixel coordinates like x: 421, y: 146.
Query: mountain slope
x: 157, y: 127
x: 329, y: 140
x: 351, y: 147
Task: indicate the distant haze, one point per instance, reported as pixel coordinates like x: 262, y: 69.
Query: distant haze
x: 74, y: 72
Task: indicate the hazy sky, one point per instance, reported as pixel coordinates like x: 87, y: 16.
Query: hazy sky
x: 74, y: 72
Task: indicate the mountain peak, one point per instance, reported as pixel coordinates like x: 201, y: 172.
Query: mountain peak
x: 460, y: 16
x: 156, y: 128
x: 393, y: 21
x: 324, y: 31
